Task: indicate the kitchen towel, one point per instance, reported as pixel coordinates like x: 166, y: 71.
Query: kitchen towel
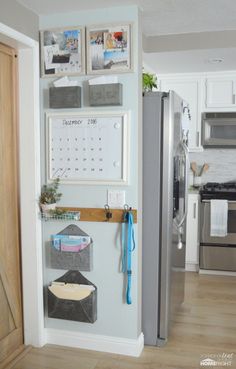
x: 219, y: 218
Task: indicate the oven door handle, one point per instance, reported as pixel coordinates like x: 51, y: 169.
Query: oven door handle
x: 181, y: 222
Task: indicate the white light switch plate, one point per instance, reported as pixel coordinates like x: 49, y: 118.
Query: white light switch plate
x: 116, y: 199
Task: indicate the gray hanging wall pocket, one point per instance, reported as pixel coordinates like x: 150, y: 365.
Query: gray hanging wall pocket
x: 65, y: 97
x: 84, y: 309
x: 72, y: 249
x: 106, y: 94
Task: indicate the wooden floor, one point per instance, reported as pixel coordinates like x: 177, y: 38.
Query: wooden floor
x: 206, y: 325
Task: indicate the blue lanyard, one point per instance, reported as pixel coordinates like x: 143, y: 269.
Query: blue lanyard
x: 128, y: 246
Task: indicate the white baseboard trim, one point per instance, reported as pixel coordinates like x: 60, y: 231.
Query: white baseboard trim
x: 115, y: 345
x: 217, y: 272
x: 191, y: 267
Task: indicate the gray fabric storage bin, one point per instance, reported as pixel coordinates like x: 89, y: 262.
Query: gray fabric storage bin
x: 105, y: 95
x: 84, y: 310
x: 82, y: 260
x: 65, y: 97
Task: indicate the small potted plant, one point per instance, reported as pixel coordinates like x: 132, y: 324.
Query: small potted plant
x: 50, y: 196
x: 149, y: 82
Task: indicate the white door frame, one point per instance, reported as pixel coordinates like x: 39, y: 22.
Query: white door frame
x: 29, y: 162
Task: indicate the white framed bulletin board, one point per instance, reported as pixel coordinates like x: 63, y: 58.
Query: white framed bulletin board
x: 88, y: 147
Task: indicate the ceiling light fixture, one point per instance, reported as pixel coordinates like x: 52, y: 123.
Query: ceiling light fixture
x: 215, y: 60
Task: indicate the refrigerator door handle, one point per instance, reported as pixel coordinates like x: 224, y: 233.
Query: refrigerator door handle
x: 181, y: 222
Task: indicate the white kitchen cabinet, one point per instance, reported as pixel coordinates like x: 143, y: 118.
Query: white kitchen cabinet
x: 220, y: 92
x: 189, y: 90
x: 192, y: 233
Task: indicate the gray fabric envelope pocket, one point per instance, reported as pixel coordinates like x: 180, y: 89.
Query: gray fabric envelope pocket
x: 81, y: 260
x: 84, y: 310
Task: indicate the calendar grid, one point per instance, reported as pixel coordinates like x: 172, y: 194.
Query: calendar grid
x: 88, y: 147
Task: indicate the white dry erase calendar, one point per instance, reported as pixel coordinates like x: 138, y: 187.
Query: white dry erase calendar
x: 89, y: 148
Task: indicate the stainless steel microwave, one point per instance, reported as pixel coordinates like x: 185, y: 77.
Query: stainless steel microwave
x: 219, y: 130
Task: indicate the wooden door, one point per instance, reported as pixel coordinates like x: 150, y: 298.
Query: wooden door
x: 11, y: 332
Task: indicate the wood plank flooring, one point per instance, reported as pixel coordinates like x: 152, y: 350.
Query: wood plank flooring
x: 205, y: 325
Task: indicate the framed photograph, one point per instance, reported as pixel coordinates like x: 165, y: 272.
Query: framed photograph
x: 88, y: 148
x: 62, y: 52
x: 109, y: 49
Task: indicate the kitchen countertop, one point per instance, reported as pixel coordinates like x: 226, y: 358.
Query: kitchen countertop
x: 193, y: 190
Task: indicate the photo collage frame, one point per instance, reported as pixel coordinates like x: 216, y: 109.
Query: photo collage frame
x: 109, y: 49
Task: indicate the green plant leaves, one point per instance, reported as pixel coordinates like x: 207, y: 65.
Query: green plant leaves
x: 149, y: 82
x: 49, y: 193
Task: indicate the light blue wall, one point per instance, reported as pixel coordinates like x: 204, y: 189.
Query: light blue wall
x: 115, y: 318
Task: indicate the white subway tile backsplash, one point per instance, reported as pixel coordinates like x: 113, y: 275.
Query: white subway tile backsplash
x: 222, y: 164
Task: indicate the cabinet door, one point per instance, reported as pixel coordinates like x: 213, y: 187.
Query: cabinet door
x: 189, y: 91
x: 220, y: 93
x: 192, y: 238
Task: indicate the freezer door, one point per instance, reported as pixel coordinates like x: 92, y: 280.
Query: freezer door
x: 179, y: 232
x: 152, y: 143
x: 174, y: 208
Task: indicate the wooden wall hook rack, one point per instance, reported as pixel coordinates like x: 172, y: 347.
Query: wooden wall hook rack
x: 99, y: 214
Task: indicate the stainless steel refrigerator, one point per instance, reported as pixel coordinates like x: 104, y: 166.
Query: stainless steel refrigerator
x: 165, y: 191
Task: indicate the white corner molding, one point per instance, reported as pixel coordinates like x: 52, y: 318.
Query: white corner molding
x: 29, y: 173
x: 14, y: 38
x: 191, y: 267
x: 96, y: 342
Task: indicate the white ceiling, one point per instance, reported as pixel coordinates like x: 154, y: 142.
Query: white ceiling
x: 186, y: 16
x: 166, y: 17
x: 190, y: 61
x: 160, y: 17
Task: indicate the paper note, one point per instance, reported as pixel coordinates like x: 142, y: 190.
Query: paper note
x: 103, y: 80
x: 49, y: 51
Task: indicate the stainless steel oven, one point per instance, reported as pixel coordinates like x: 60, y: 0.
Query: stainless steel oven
x: 217, y: 253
